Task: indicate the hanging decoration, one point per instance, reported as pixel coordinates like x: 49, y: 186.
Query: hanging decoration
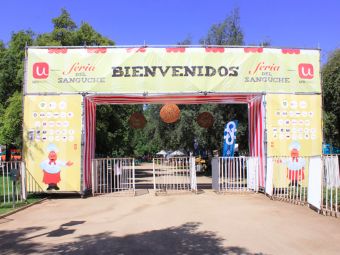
x: 205, y: 119
x: 170, y: 113
x: 137, y: 120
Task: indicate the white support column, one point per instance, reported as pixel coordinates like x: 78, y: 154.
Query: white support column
x: 215, y: 174
x: 315, y: 182
x: 193, y: 174
x: 93, y: 179
x: 154, y: 174
x: 269, y: 179
x: 23, y: 181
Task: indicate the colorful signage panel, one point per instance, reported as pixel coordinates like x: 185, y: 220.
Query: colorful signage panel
x: 293, y: 123
x: 171, y: 70
x: 52, y: 141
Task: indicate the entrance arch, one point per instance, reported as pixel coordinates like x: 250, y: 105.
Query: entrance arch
x: 63, y: 85
x: 255, y: 119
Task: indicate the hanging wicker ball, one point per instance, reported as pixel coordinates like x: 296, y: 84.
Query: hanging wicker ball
x: 137, y: 120
x: 205, y: 119
x: 170, y: 113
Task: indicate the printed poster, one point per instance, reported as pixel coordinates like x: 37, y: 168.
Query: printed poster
x: 294, y: 134
x: 293, y: 119
x: 52, y: 141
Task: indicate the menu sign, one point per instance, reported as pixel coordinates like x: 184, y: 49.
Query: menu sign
x: 293, y: 119
x: 52, y: 141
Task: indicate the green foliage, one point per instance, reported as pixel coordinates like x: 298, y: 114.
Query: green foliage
x: 64, y: 28
x: 65, y: 33
x: 186, y: 41
x: 2, y: 46
x: 19, y: 41
x: 10, y: 122
x: 46, y: 40
x: 114, y: 137
x: 158, y: 135
x: 12, y: 64
x: 113, y: 134
x: 331, y: 98
x: 88, y: 36
x: 64, y: 21
x: 228, y: 32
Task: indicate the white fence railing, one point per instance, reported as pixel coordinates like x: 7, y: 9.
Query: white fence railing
x: 174, y: 174
x: 290, y: 179
x: 113, y: 175
x: 11, y: 188
x: 331, y: 185
x: 33, y: 186
x: 235, y: 174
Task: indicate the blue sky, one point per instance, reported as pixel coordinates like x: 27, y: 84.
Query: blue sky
x: 286, y: 23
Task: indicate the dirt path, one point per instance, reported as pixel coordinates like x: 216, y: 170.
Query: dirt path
x: 178, y: 224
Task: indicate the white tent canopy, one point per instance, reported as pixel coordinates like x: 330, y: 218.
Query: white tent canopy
x: 162, y: 152
x: 177, y: 153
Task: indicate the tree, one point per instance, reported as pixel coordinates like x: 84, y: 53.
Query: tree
x: 2, y: 46
x: 186, y: 41
x: 158, y: 135
x: 228, y: 32
x: 331, y: 98
x: 114, y: 136
x: 12, y: 64
x: 113, y: 133
x: 86, y: 35
x: 64, y: 28
x: 65, y: 33
x: 181, y: 135
x: 11, y: 124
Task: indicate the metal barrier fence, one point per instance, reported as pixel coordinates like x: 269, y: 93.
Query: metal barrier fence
x: 11, y: 188
x: 113, y: 175
x: 174, y: 174
x: 331, y: 185
x: 290, y: 179
x: 235, y: 174
x: 32, y: 185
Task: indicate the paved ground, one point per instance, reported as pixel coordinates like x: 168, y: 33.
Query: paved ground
x: 144, y: 178
x: 207, y: 223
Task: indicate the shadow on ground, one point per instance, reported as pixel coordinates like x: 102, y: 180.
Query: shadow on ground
x: 184, y: 239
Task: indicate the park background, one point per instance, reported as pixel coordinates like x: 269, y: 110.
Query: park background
x: 303, y: 24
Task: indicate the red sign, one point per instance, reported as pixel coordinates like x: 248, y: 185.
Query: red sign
x: 40, y: 70
x: 306, y: 71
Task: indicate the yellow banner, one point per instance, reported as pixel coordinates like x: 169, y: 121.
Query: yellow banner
x: 52, y: 141
x: 293, y: 124
x: 172, y: 70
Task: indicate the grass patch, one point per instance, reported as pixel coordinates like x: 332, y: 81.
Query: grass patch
x: 6, y: 204
x: 3, y: 183
x: 329, y: 195
x: 7, y: 189
x: 5, y: 208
